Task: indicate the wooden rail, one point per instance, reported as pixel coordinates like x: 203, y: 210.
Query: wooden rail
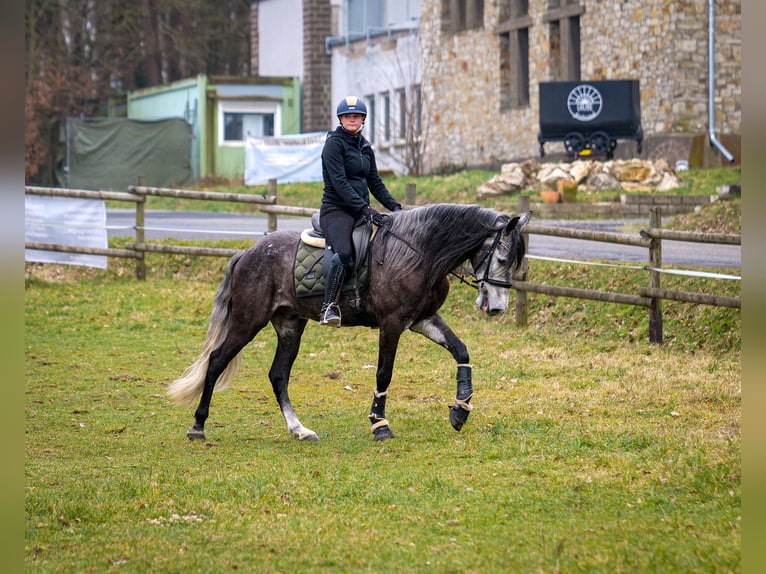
x: 650, y: 238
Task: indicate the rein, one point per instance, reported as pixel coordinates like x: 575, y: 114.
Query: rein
x: 475, y: 283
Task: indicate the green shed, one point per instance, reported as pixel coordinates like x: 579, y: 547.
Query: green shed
x: 222, y: 112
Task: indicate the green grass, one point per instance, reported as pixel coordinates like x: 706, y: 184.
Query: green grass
x: 589, y: 450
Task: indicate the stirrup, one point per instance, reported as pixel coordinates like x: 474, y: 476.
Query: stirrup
x: 330, y: 316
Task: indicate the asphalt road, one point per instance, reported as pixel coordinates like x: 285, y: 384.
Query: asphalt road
x: 189, y: 225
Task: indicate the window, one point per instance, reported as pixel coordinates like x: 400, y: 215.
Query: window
x: 461, y: 15
x: 418, y: 110
x: 563, y: 19
x: 401, y: 96
x: 239, y: 120
x: 386, y: 99
x: 370, y: 121
x: 237, y: 126
x: 513, y: 31
x: 363, y: 15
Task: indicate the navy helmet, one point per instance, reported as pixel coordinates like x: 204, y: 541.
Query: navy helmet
x: 351, y: 105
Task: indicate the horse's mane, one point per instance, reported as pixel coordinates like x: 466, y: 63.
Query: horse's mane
x: 444, y: 234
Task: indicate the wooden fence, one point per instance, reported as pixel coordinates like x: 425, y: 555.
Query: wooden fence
x: 650, y: 238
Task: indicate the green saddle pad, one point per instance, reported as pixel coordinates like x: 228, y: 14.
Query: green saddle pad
x: 309, y: 278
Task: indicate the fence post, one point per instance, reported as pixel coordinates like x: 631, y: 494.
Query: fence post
x: 409, y: 194
x: 140, y: 236
x: 272, y: 226
x: 521, y: 273
x: 655, y: 262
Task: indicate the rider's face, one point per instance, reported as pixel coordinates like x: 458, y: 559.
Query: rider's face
x: 352, y: 122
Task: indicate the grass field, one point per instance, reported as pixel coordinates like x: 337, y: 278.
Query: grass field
x: 589, y: 450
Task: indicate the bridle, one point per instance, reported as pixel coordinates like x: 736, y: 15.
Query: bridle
x: 487, y: 260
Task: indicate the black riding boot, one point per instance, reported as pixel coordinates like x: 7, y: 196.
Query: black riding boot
x: 330, y: 313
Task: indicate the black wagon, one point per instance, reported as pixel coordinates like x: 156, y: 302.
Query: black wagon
x: 589, y: 117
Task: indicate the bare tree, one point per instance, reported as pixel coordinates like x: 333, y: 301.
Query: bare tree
x: 81, y: 53
x: 404, y: 77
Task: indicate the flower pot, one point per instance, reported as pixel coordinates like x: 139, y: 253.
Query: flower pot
x: 550, y: 196
x: 567, y: 190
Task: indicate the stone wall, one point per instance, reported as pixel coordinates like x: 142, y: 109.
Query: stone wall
x: 663, y: 43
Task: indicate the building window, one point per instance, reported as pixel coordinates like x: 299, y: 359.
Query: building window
x: 239, y: 120
x: 513, y: 31
x: 370, y: 120
x: 386, y: 101
x: 563, y: 19
x: 401, y: 97
x: 363, y: 15
x: 238, y: 126
x: 462, y: 15
x: 417, y: 112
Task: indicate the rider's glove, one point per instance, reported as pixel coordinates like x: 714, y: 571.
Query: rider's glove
x: 372, y: 215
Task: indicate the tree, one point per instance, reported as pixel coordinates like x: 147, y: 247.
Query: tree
x: 81, y: 53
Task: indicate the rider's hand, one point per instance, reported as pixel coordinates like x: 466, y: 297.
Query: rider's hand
x: 374, y: 216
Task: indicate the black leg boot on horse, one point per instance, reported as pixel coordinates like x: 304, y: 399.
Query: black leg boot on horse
x: 330, y: 313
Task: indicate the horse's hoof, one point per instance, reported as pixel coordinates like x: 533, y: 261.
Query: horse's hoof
x: 305, y: 434
x: 458, y: 417
x: 195, y: 434
x: 382, y: 433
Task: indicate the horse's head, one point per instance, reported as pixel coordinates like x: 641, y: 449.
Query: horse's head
x: 493, y: 265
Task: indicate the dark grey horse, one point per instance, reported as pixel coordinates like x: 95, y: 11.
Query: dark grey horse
x: 411, y: 257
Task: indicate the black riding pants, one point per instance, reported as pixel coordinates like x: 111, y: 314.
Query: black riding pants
x: 337, y: 226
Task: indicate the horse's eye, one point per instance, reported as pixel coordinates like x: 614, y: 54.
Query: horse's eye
x: 502, y: 260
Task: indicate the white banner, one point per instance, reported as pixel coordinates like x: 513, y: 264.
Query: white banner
x: 65, y: 221
x: 288, y: 159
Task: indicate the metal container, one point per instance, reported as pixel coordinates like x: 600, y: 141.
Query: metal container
x: 589, y: 117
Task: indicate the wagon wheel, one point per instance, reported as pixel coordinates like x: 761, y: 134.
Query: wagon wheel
x: 600, y: 142
x: 574, y: 143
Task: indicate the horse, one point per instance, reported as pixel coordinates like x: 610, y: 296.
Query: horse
x: 411, y: 256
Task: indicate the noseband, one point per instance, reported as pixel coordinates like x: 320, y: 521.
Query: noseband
x: 477, y: 283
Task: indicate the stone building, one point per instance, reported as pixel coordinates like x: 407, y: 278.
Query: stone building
x: 482, y: 61
x: 455, y: 83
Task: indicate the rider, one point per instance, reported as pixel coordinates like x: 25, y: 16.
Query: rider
x: 350, y: 173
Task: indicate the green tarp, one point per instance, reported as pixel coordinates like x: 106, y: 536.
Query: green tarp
x: 111, y: 154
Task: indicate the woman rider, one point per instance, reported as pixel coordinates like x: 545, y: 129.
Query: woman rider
x: 350, y: 173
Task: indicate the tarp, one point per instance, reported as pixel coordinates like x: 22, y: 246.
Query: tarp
x: 65, y: 221
x: 288, y: 159
x: 111, y: 154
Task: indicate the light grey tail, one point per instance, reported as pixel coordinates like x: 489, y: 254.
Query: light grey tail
x: 187, y: 389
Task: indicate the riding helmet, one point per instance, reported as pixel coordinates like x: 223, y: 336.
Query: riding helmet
x: 351, y: 105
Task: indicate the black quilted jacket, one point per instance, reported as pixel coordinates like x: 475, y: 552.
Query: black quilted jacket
x: 350, y: 173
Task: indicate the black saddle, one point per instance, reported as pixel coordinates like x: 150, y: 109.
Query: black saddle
x: 313, y: 258
x: 360, y: 238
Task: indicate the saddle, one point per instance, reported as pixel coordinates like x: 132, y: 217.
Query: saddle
x: 313, y: 257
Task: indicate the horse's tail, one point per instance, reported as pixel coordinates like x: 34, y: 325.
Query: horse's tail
x: 187, y: 389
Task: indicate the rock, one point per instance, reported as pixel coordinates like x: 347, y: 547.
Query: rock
x: 668, y: 181
x: 513, y: 174
x: 580, y: 169
x: 549, y: 175
x: 601, y: 181
x: 627, y: 175
x: 632, y: 170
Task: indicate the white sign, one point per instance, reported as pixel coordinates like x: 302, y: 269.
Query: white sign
x: 65, y: 221
x: 584, y: 103
x: 288, y: 159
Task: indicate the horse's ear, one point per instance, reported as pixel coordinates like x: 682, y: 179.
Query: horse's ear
x: 518, y: 221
